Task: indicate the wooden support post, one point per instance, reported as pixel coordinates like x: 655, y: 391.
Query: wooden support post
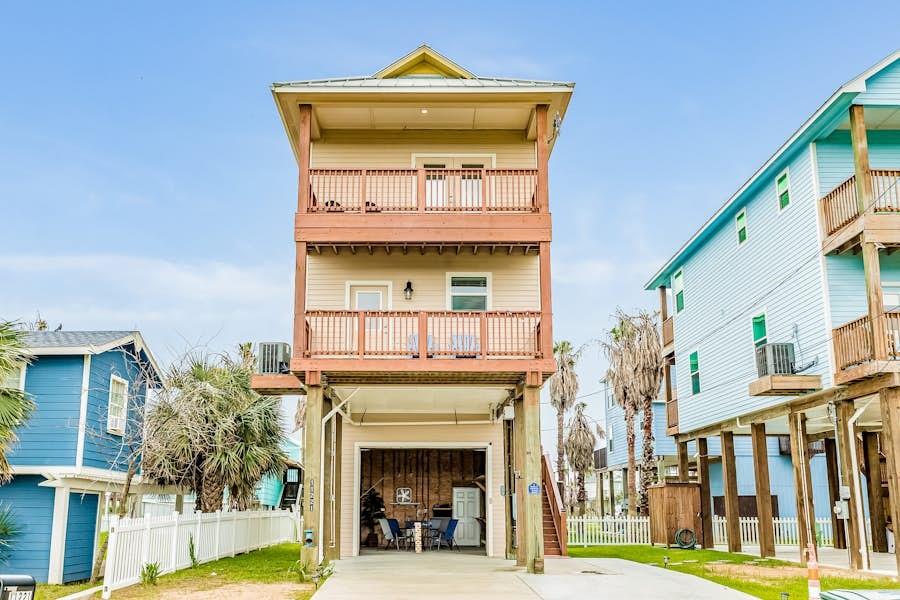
x: 542, y: 151
x: 327, y: 483
x: 846, y: 442
x: 331, y: 493
x: 303, y: 153
x: 860, y: 143
x: 300, y: 341
x: 729, y: 482
x: 706, y: 533
x: 312, y: 475
x: 534, y: 519
x: 612, y: 494
x: 763, y: 489
x: 890, y: 443
x: 519, y: 468
x: 803, y: 490
x: 834, y: 483
x: 873, y: 488
x: 683, y: 462
x: 601, y: 497
x: 546, y: 340
x: 872, y: 271
x: 663, y: 304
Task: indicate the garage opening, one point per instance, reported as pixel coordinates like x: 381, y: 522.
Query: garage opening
x: 441, y: 489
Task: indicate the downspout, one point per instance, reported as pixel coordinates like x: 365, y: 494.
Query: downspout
x: 325, y: 419
x: 854, y: 467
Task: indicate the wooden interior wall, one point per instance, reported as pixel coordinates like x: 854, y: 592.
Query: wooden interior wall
x: 431, y: 474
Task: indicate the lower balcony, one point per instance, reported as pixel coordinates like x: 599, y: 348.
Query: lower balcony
x: 853, y: 353
x: 423, y: 346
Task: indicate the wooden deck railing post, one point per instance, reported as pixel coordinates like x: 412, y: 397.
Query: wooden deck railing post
x: 423, y: 335
x: 363, y: 207
x: 361, y: 334
x: 483, y: 335
x: 420, y: 189
x: 484, y: 190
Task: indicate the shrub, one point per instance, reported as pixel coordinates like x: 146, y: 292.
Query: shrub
x: 150, y: 573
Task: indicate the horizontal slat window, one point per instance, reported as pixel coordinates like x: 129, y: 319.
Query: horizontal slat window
x: 695, y: 372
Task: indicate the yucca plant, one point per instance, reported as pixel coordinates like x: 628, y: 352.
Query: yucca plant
x: 15, y: 405
x: 9, y: 531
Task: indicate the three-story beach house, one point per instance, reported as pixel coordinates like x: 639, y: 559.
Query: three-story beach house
x: 422, y: 311
x: 781, y: 315
x: 89, y: 389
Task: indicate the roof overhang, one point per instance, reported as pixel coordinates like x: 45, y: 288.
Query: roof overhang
x: 132, y: 338
x: 822, y: 122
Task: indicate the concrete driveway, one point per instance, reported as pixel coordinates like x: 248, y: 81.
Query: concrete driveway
x: 445, y: 575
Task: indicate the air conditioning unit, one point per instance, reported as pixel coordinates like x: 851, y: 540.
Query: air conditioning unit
x: 273, y: 358
x: 775, y: 359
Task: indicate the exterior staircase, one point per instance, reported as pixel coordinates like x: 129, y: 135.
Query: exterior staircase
x: 554, y: 514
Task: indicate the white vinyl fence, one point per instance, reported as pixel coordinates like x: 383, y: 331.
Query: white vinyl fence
x: 786, y: 532
x: 605, y: 531
x: 166, y: 540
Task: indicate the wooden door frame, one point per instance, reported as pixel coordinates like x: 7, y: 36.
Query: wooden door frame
x: 488, y: 504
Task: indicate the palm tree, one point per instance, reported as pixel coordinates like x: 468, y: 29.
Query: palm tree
x: 563, y: 390
x: 646, y: 371
x: 209, y: 431
x: 10, y: 529
x: 15, y: 405
x: 580, y: 442
x: 618, y: 375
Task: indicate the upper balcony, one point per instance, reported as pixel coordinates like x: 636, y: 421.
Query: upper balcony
x: 854, y: 356
x: 846, y: 227
x: 427, y: 205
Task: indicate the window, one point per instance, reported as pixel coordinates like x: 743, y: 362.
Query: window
x: 759, y: 330
x: 740, y: 223
x: 118, y: 396
x: 783, y: 190
x: 695, y: 373
x: 890, y: 296
x: 609, y: 441
x: 469, y: 292
x: 678, y: 290
x: 15, y: 380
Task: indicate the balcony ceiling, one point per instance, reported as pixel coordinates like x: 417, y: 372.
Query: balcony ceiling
x: 410, y: 116
x: 464, y: 400
x: 877, y: 118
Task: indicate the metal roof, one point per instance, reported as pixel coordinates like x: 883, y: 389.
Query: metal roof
x: 73, y: 339
x: 420, y: 82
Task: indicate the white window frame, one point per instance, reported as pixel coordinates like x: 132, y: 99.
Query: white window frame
x: 691, y: 373
x: 787, y: 174
x: 737, y: 228
x: 110, y: 428
x: 489, y: 302
x: 389, y: 304
x: 22, y: 371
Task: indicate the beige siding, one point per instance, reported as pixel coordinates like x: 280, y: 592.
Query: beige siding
x: 515, y: 283
x: 431, y: 434
x: 394, y: 149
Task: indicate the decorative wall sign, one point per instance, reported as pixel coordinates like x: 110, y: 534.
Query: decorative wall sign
x: 534, y: 488
x: 403, y: 495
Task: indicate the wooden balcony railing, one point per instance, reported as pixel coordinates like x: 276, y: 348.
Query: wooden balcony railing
x: 668, y: 332
x: 422, y: 190
x: 672, y: 412
x: 840, y: 206
x: 852, y: 342
x: 405, y: 334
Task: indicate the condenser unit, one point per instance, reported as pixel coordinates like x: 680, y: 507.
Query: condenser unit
x: 775, y: 359
x: 274, y: 358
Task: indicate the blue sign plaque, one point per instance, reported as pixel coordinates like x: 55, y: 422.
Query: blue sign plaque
x: 534, y: 489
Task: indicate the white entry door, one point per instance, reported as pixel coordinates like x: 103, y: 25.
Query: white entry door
x: 467, y: 509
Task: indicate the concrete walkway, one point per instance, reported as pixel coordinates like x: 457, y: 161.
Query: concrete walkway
x: 445, y: 575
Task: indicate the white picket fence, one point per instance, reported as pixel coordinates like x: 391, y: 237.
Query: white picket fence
x: 165, y: 540
x: 605, y: 531
x: 786, y: 532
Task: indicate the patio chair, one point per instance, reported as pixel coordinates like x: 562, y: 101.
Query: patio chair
x: 400, y: 534
x: 412, y: 345
x: 465, y: 346
x: 389, y: 536
x: 446, y: 536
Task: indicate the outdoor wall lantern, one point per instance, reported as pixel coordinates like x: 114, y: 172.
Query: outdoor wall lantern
x: 408, y: 290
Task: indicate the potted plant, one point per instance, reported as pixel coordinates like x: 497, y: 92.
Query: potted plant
x: 372, y: 509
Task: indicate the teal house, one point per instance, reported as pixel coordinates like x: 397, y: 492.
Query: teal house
x: 781, y: 317
x: 89, y: 388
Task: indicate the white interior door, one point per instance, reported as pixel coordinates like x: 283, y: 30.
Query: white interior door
x: 467, y: 509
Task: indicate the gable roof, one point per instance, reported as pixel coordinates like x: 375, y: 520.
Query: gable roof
x: 424, y: 67
x: 67, y: 343
x: 825, y: 118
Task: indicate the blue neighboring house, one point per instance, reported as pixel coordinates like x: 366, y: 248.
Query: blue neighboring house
x: 666, y: 464
x: 783, y: 309
x: 89, y: 388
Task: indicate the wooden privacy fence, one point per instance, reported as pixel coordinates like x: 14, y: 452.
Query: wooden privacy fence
x: 167, y: 540
x: 608, y: 531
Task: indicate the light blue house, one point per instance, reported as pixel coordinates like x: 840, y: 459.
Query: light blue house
x: 781, y: 311
x: 270, y: 488
x: 666, y: 465
x: 89, y: 388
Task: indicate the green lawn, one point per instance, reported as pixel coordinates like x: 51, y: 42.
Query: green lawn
x: 275, y: 565
x: 760, y: 578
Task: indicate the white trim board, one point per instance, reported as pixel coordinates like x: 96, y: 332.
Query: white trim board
x: 82, y: 412
x: 488, y: 494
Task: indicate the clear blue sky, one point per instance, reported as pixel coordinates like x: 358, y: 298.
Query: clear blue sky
x: 146, y: 181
